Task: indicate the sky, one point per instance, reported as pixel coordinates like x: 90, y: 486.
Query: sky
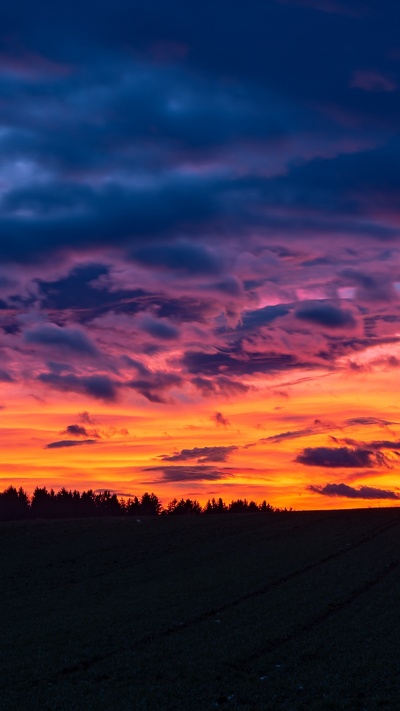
x: 199, y: 249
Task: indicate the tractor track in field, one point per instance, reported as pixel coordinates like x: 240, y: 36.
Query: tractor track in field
x: 332, y: 609
x: 272, y: 645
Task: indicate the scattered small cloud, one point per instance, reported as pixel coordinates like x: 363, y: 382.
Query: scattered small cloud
x: 190, y: 473
x: 219, y: 419
x: 76, y: 430
x: 202, y: 454
x: 69, y: 443
x: 124, y: 494
x: 86, y: 418
x: 369, y: 421
x: 363, y: 492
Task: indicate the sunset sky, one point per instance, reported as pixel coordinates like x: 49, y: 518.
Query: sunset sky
x: 199, y: 249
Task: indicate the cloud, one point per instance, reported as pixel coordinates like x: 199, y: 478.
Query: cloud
x: 352, y: 9
x: 333, y: 457
x: 219, y: 385
x: 264, y: 316
x: 369, y: 421
x: 190, y: 473
x: 183, y: 256
x: 155, y: 385
x: 384, y: 444
x: 69, y: 443
x: 186, y: 228
x: 137, y: 364
x: 98, y: 386
x: 376, y: 446
x: 202, y: 454
x: 123, y: 494
x: 238, y: 363
x: 65, y: 337
x: 282, y: 436
x: 363, y: 492
x: 5, y: 377
x: 370, y: 288
x: 76, y: 430
x: 86, y: 418
x: 326, y: 315
x: 219, y: 419
x: 159, y: 328
x: 371, y: 80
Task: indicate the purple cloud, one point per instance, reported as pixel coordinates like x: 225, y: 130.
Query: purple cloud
x: 202, y: 454
x: 98, y: 386
x: 363, y: 492
x: 337, y: 457
x: 69, y: 443
x: 70, y: 338
x: 326, y: 315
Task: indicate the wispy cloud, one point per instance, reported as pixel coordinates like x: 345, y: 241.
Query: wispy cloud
x: 69, y: 443
x: 363, y: 492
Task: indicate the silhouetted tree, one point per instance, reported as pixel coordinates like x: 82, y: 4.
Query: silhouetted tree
x: 266, y: 508
x: 215, y: 507
x: 133, y: 506
x: 14, y: 504
x: 183, y: 507
x: 88, y: 503
x: 107, y: 504
x: 68, y: 503
x: 239, y: 506
x: 150, y: 505
x: 252, y: 507
x: 44, y: 503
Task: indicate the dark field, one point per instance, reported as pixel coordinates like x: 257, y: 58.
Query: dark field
x: 282, y: 611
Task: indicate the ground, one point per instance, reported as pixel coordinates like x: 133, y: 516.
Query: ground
x: 296, y: 611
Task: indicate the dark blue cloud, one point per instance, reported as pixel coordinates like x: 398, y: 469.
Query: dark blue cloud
x: 154, y: 96
x: 97, y: 386
x: 326, y: 315
x: 180, y: 257
x: 264, y: 316
x: 159, y: 329
x: 70, y: 338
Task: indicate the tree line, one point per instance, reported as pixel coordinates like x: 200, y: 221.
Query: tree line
x: 15, y: 504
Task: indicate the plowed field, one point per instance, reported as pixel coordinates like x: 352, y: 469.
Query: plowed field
x: 282, y: 611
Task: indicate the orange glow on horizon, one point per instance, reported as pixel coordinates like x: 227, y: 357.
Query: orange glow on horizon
x: 132, y: 437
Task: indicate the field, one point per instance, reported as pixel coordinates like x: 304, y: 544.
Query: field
x: 283, y: 611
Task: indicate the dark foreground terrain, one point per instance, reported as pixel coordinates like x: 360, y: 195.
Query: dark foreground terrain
x: 282, y: 611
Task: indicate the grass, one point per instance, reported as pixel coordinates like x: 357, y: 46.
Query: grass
x: 291, y: 612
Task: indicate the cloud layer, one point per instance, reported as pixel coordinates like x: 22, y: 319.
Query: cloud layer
x: 192, y: 221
